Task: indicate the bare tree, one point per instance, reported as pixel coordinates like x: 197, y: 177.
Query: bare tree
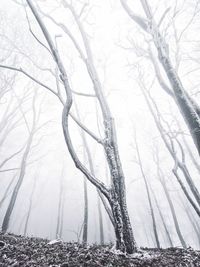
x: 187, y: 106
x: 169, y: 143
x: 116, y: 194
x: 22, y: 170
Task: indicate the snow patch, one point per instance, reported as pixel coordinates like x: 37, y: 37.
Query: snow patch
x: 54, y: 241
x: 142, y: 254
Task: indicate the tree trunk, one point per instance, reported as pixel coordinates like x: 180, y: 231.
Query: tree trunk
x: 101, y: 228
x: 115, y: 195
x: 176, y: 224
x: 7, y: 190
x: 60, y: 204
x: 184, y: 103
x: 148, y: 194
x: 30, y: 206
x: 169, y: 146
x: 163, y: 220
x: 85, y: 221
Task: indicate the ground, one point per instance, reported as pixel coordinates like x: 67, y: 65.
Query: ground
x: 19, y: 251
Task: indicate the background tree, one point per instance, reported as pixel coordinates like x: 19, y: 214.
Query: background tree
x: 22, y: 169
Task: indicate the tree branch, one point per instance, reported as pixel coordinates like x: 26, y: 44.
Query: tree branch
x: 67, y: 105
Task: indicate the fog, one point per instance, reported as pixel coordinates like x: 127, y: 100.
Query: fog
x: 120, y: 52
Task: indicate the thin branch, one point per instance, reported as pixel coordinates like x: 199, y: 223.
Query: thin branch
x: 29, y: 76
x: 11, y: 169
x: 67, y: 31
x: 10, y: 157
x: 83, y: 94
x: 100, y: 141
x: 55, y: 93
x: 163, y: 16
x: 36, y: 38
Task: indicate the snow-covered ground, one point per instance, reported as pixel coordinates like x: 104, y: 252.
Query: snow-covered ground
x: 23, y: 251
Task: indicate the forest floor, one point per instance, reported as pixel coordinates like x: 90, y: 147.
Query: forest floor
x: 19, y: 251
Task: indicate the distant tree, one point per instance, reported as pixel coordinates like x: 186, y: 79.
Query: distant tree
x: 30, y: 206
x: 168, y: 234
x: 179, y: 161
x: 88, y: 159
x: 139, y: 161
x: 22, y: 169
x: 12, y: 117
x: 60, y: 206
x: 161, y: 177
x: 191, y: 217
x: 7, y: 191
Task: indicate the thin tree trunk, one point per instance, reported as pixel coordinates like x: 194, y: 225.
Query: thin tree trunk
x: 101, y: 227
x: 30, y: 205
x: 185, y: 142
x: 169, y: 146
x: 62, y: 217
x: 148, y: 195
x: 7, y: 190
x: 85, y: 222
x: 194, y: 161
x: 163, y: 220
x: 99, y: 196
x: 60, y: 203
x: 192, y: 219
x: 176, y: 224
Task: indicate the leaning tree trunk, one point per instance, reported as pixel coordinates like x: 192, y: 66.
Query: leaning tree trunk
x: 193, y: 223
x: 163, y: 219
x: 186, y: 105
x: 176, y: 224
x: 116, y: 194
